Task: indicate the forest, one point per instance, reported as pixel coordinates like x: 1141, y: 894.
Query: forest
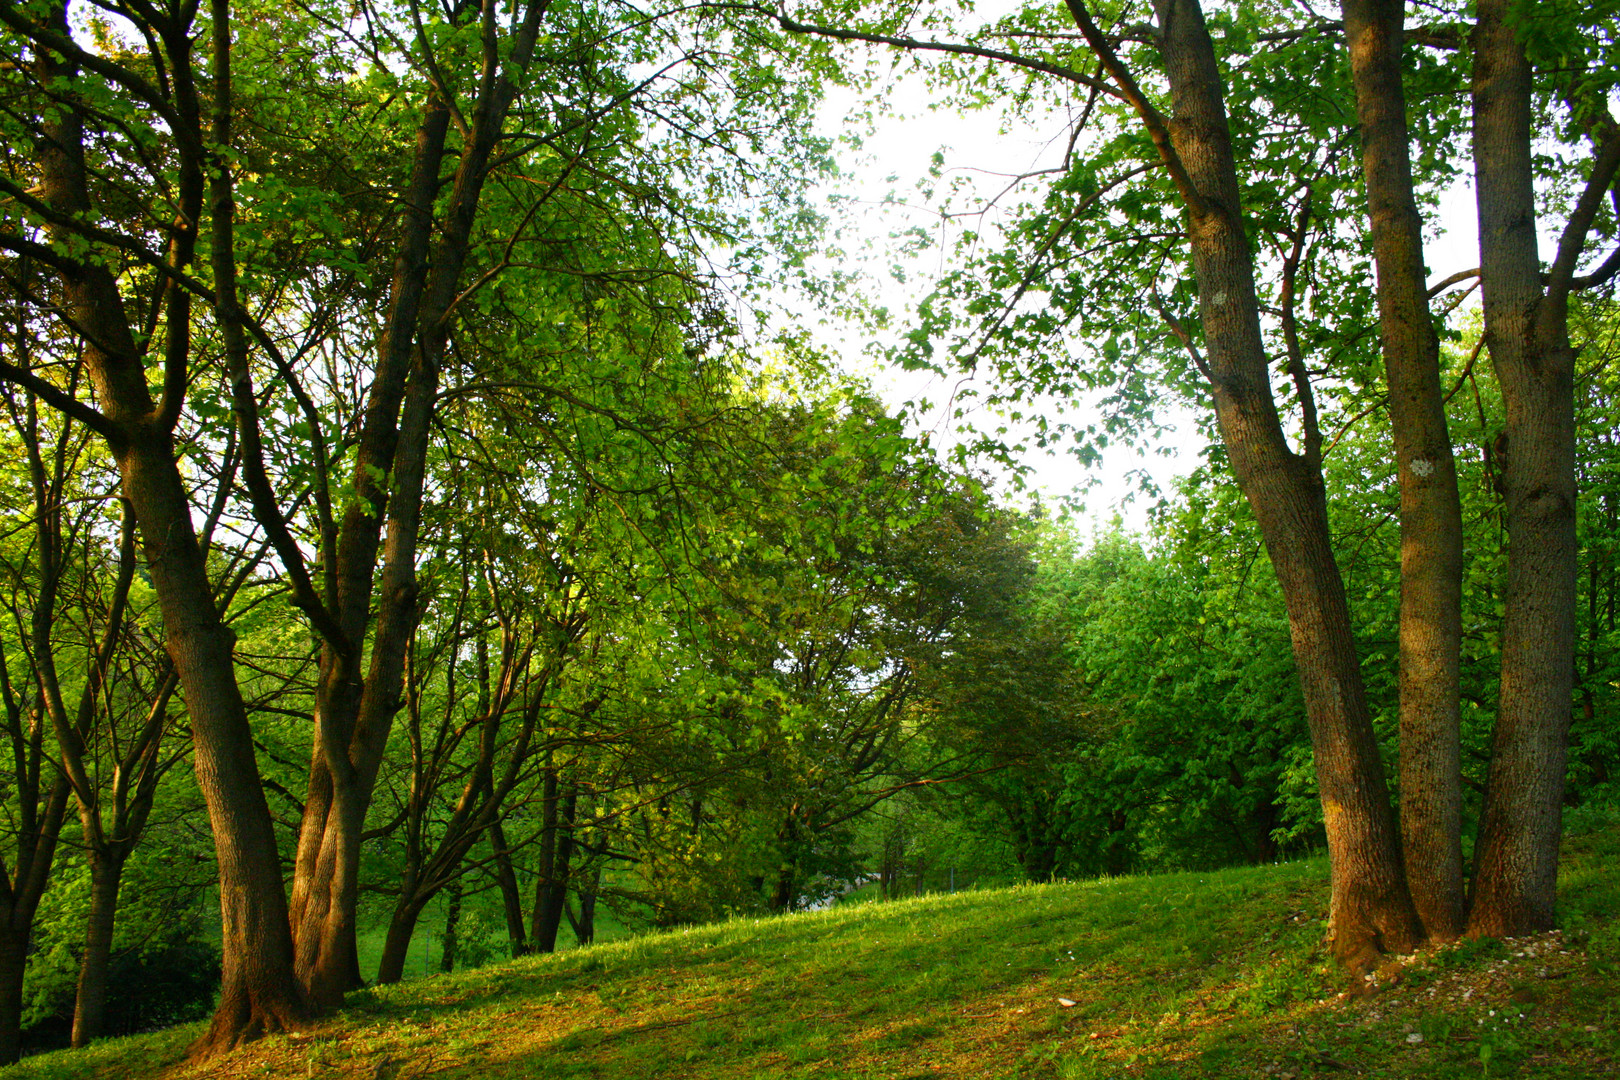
x: 432, y: 531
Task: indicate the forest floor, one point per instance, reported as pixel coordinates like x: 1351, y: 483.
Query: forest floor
x: 1216, y: 974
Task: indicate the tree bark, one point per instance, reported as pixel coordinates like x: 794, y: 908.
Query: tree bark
x: 346, y: 754
x: 13, y: 963
x: 1431, y: 510
x: 90, y: 1003
x: 554, y: 897
x: 548, y: 858
x: 585, y: 925
x: 258, y: 991
x: 452, y: 919
x: 1371, y: 910
x: 397, y: 945
x: 511, y: 897
x: 1526, y: 330
x: 354, y: 717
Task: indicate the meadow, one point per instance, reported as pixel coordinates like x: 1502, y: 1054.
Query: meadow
x: 1214, y: 974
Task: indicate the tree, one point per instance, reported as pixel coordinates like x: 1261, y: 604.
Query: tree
x: 1527, y: 332
x: 1431, y: 508
x: 1214, y: 156
x: 73, y: 95
x: 154, y: 147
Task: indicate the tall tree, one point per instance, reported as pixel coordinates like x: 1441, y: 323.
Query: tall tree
x: 1217, y: 154
x: 1431, y: 509
x: 77, y: 95
x: 1527, y: 332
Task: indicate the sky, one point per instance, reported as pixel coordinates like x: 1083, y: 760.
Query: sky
x: 893, y: 159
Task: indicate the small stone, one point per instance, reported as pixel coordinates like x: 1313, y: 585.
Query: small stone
x: 1415, y: 1037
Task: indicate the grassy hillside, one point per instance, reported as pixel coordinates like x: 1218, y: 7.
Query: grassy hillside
x: 1187, y: 975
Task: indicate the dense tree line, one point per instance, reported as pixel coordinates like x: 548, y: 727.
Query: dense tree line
x: 391, y: 483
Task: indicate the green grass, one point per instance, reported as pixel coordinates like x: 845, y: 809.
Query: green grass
x: 1177, y: 976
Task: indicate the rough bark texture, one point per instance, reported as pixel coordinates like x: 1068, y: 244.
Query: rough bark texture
x: 1431, y: 511
x: 1526, y: 329
x: 354, y: 717
x: 90, y: 1003
x: 258, y: 991
x: 346, y: 752
x: 1371, y: 908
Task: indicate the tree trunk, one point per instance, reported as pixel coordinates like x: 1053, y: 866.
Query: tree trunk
x: 555, y: 895
x: 548, y: 855
x: 1371, y: 910
x: 785, y: 889
x: 1264, y: 823
x: 452, y: 918
x: 397, y: 945
x: 343, y: 766
x: 90, y: 1005
x: 326, y: 884
x: 1431, y: 510
x: 13, y: 963
x: 258, y: 991
x: 585, y: 927
x: 511, y: 897
x: 354, y: 718
x: 1516, y: 858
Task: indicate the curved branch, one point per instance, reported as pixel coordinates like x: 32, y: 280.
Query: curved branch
x: 1158, y: 127
x: 910, y: 44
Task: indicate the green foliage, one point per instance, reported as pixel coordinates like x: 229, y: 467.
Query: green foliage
x: 164, y: 968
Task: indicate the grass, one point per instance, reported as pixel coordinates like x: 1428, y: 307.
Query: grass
x: 1177, y: 976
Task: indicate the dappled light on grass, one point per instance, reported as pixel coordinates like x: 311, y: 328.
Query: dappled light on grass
x: 1182, y: 975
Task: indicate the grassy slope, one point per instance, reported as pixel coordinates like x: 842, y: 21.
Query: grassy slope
x: 1185, y: 975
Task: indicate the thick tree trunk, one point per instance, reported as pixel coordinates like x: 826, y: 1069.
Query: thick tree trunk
x: 1431, y: 510
x: 326, y: 885
x: 90, y: 1005
x: 346, y: 751
x: 1516, y: 857
x: 258, y: 991
x: 1372, y: 910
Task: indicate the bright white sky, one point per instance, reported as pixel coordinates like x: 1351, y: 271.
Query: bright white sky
x: 894, y: 160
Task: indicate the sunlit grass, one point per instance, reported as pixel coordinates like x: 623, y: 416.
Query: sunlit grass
x: 1183, y: 975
